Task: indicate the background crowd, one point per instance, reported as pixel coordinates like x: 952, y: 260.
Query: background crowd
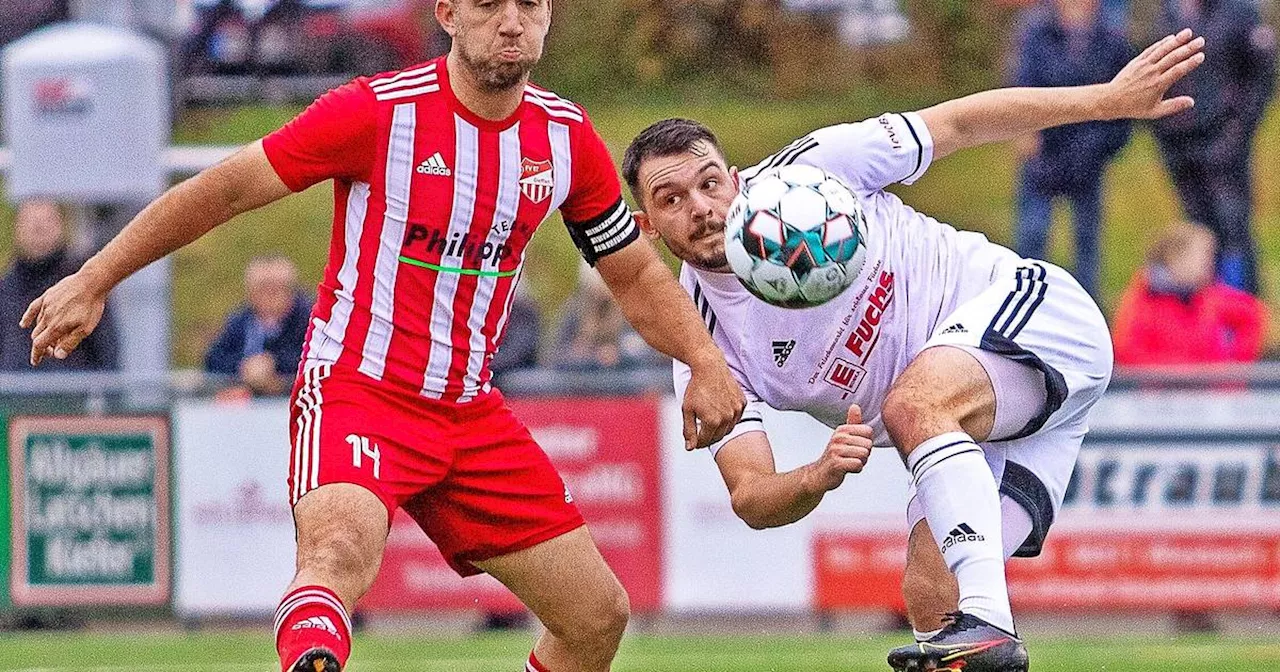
x: 1198, y: 297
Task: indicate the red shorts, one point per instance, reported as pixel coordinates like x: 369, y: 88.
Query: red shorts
x: 470, y: 474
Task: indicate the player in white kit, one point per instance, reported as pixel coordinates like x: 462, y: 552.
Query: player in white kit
x: 979, y: 366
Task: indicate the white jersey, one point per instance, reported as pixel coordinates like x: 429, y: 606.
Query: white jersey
x: 850, y: 350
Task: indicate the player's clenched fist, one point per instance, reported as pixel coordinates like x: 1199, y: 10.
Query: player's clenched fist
x: 846, y: 452
x: 713, y: 403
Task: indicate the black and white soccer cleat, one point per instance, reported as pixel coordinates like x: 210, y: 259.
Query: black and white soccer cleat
x: 967, y: 643
x: 318, y: 659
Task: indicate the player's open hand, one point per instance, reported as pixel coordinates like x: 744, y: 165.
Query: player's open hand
x: 846, y: 453
x: 1138, y: 91
x: 63, y: 316
x: 713, y: 403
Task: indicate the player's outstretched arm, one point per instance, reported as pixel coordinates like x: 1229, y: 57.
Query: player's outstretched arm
x: 663, y: 314
x: 764, y: 498
x: 1137, y: 92
x: 70, y: 310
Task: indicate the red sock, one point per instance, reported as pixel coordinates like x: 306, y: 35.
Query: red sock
x: 308, y: 617
x: 533, y: 665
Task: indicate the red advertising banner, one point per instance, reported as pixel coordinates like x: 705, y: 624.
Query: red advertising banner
x: 1078, y: 569
x: 607, y: 451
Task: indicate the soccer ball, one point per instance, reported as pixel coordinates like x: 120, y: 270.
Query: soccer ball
x: 795, y: 236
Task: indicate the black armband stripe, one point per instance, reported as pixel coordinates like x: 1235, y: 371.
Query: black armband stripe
x: 609, y: 232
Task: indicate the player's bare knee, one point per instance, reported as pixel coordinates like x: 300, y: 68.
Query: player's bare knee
x: 597, y: 628
x: 910, y: 414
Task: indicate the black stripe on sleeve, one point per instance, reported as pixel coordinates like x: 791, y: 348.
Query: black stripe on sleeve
x: 919, y: 145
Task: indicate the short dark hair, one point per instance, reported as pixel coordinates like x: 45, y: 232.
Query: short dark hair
x: 664, y: 138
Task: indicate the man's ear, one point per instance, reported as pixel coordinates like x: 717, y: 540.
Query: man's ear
x: 444, y: 16
x: 646, y: 225
x: 733, y: 174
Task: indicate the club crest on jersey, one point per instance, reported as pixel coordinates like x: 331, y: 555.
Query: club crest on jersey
x: 537, y: 180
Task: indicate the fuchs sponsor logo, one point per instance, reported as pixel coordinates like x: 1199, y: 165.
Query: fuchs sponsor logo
x: 863, y: 339
x: 960, y: 534
x: 422, y: 243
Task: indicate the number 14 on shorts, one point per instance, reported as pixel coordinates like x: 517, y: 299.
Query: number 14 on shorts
x: 362, y: 447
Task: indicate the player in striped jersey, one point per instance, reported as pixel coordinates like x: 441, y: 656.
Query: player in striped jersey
x: 442, y: 172
x: 979, y: 366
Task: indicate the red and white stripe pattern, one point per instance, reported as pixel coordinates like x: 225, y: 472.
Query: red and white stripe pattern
x: 308, y: 596
x: 306, y: 444
x: 407, y: 83
x: 423, y: 268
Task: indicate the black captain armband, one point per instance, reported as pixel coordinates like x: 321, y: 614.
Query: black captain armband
x: 606, y: 234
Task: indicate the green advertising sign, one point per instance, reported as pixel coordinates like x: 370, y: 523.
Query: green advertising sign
x: 89, y: 502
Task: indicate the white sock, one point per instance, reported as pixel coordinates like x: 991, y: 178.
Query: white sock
x: 962, y: 505
x: 925, y: 636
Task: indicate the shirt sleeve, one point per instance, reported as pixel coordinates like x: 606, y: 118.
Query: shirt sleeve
x: 868, y: 155
x: 752, y: 419
x: 334, y: 138
x: 599, y: 221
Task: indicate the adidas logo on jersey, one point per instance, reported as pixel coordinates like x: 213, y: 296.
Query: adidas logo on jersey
x: 781, y: 351
x: 960, y: 534
x: 954, y: 329
x: 435, y: 166
x: 320, y: 623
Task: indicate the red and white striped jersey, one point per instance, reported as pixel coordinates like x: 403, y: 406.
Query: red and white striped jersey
x: 433, y: 209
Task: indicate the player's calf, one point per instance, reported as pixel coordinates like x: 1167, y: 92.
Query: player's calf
x: 342, y: 530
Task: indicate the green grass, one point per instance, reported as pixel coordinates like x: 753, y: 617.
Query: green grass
x: 971, y: 190
x: 640, y: 653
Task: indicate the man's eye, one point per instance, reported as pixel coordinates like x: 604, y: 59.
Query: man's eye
x: 673, y: 200
x: 711, y: 183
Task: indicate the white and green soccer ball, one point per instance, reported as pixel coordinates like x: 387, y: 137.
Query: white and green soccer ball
x: 796, y: 236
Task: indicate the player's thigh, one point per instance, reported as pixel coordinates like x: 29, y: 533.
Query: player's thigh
x: 566, y: 583
x: 943, y: 389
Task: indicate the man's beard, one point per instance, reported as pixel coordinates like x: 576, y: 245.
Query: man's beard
x: 708, y: 261
x: 494, y: 75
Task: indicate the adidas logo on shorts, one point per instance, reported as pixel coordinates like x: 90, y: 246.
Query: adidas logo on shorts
x: 318, y: 622
x: 960, y: 534
x: 954, y: 329
x: 435, y: 166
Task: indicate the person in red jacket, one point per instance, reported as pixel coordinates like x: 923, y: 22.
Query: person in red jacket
x: 1176, y: 311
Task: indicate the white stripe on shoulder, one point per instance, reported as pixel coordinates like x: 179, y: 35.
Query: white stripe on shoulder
x: 429, y: 78
x: 405, y: 93
x: 560, y: 113
x: 403, y: 74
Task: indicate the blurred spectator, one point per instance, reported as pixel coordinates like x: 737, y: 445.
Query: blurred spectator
x: 19, y: 17
x: 42, y: 259
x: 262, y: 341
x: 1207, y: 149
x: 1177, y: 312
x: 1067, y: 43
x: 519, y: 348
x: 593, y: 333
x: 1115, y: 15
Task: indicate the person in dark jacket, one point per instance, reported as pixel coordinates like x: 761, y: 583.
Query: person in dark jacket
x: 41, y: 260
x: 1066, y: 43
x: 261, y: 342
x: 1208, y: 148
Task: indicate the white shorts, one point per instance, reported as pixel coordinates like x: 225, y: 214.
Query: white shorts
x: 1039, y: 316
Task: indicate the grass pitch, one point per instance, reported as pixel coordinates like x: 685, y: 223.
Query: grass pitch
x: 250, y: 651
